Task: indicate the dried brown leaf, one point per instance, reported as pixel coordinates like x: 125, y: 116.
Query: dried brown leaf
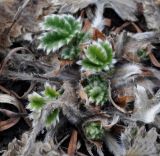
x: 28, y: 19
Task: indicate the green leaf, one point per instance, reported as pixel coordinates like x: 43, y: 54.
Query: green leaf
x: 98, y: 57
x: 87, y: 64
x: 36, y: 101
x: 72, y: 51
x: 61, y: 30
x: 50, y: 91
x: 109, y: 52
x: 55, y: 22
x: 52, y: 117
x: 55, y: 40
x: 96, y: 54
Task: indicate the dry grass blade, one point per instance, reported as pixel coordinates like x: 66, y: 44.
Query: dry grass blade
x: 119, y: 29
x: 136, y: 27
x: 12, y: 114
x: 152, y: 57
x: 154, y: 60
x: 9, y: 56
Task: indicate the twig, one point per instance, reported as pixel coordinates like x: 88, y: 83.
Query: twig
x: 119, y: 29
x: 152, y: 57
x: 59, y: 144
x: 17, y: 15
x: 137, y: 28
x: 9, y: 56
x: 110, y: 97
x: 26, y: 93
x: 12, y: 114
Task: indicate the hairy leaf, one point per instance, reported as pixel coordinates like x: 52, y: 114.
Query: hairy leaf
x: 50, y: 91
x: 53, y: 116
x: 61, y: 30
x: 36, y: 101
x: 98, y: 57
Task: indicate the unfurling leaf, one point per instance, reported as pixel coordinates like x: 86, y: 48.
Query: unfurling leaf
x: 61, y: 30
x: 36, y: 101
x: 94, y: 130
x: 99, y: 57
x: 53, y: 117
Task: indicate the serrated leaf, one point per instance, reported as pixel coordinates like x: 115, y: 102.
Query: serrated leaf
x: 98, y: 57
x: 87, y: 64
x: 109, y: 52
x: 61, y: 30
x: 36, y: 101
x: 55, y: 40
x: 50, y: 92
x: 55, y: 22
x: 75, y: 24
x: 96, y: 54
x: 52, y: 117
x: 70, y: 53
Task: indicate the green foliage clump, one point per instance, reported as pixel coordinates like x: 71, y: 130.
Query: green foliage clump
x: 94, y: 131
x: 37, y: 102
x: 96, y: 90
x: 99, y: 57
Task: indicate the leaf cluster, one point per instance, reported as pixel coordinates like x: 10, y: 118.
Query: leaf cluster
x: 64, y: 33
x: 94, y: 130
x: 38, y: 102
